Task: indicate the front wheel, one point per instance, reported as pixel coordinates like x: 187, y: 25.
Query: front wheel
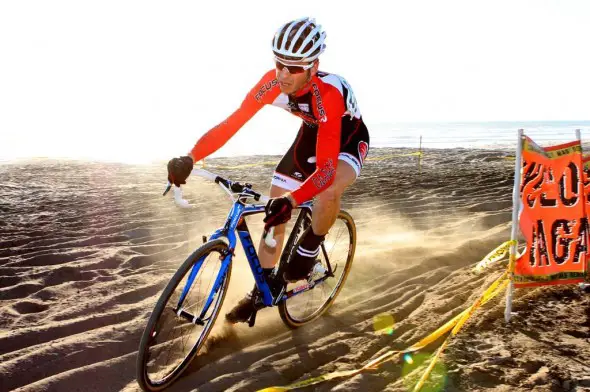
x: 336, y: 256
x: 183, y: 316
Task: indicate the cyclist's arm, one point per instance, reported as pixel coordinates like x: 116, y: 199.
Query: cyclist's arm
x: 327, y: 148
x: 215, y: 138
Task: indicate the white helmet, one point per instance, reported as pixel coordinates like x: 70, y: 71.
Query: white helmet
x: 300, y: 40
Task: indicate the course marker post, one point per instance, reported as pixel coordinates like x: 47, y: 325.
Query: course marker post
x: 515, y: 212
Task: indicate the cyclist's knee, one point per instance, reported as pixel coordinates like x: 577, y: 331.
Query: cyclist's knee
x: 330, y: 195
x: 345, y: 176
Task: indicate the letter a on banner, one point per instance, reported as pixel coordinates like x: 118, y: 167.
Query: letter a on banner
x: 552, y: 215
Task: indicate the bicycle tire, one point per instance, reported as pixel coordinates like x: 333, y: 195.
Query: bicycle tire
x: 143, y: 379
x: 294, y: 322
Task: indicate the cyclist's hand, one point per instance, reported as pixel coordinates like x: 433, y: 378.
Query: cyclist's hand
x: 179, y: 170
x: 278, y: 211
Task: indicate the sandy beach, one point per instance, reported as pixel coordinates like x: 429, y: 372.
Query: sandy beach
x: 86, y: 248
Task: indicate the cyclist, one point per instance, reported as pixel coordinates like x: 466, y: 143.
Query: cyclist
x: 325, y: 158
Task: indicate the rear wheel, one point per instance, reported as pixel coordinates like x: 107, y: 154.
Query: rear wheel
x: 171, y: 338
x: 336, y: 256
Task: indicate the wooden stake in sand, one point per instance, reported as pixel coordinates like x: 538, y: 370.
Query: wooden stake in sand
x: 420, y: 157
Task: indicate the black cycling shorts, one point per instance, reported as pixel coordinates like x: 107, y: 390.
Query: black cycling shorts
x: 299, y: 161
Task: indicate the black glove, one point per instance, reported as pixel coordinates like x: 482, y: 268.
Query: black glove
x: 278, y: 211
x: 179, y: 170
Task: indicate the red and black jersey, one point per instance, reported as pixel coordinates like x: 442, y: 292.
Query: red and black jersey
x: 322, y: 103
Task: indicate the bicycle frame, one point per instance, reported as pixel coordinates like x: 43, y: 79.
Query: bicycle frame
x: 222, y: 243
x: 235, y: 222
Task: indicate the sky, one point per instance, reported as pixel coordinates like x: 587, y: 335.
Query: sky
x: 141, y: 80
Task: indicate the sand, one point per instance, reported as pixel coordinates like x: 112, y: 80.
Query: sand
x: 86, y: 249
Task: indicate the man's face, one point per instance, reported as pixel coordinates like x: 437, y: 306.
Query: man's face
x: 295, y: 76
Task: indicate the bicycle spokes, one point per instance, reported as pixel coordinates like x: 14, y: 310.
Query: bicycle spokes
x: 308, y: 299
x: 187, y: 314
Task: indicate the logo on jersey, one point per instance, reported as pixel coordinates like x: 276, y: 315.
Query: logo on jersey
x: 292, y: 106
x: 324, y: 175
x: 303, y: 106
x: 264, y: 89
x: 363, y: 150
x: 298, y: 175
x: 298, y: 110
x: 275, y: 177
x: 320, y: 105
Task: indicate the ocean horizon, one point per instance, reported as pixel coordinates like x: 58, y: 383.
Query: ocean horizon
x: 487, y: 135
x: 484, y: 135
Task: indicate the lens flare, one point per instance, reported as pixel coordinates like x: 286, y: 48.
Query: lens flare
x: 408, y: 358
x: 415, y: 365
x: 383, y: 324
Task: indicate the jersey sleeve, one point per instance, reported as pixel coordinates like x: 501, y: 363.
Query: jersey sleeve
x: 217, y: 136
x: 329, y: 112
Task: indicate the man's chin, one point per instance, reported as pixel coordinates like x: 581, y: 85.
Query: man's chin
x: 286, y: 90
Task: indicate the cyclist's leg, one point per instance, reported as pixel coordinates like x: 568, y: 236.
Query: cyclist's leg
x: 327, y: 204
x: 353, y: 150
x: 324, y: 213
x: 288, y: 175
x: 268, y: 257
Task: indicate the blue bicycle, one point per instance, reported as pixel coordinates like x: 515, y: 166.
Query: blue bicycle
x: 189, y: 305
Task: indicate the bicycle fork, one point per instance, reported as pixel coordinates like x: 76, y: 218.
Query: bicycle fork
x: 221, y: 275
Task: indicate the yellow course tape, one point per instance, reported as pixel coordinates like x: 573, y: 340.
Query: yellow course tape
x: 494, y: 289
x: 417, y: 153
x: 316, y: 380
x: 266, y: 163
x: 494, y: 256
x: 454, y: 324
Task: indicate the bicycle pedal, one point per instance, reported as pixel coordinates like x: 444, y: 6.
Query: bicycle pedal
x: 317, y: 272
x: 252, y: 319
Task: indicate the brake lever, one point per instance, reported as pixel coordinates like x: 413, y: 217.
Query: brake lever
x: 269, y: 237
x: 168, y: 187
x: 178, y: 200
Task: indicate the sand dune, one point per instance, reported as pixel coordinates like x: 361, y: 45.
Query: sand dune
x: 86, y: 249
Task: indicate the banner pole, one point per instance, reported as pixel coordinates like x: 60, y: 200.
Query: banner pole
x: 514, y: 233
x: 584, y: 285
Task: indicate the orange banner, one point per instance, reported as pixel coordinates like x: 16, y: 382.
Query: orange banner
x: 552, y: 216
